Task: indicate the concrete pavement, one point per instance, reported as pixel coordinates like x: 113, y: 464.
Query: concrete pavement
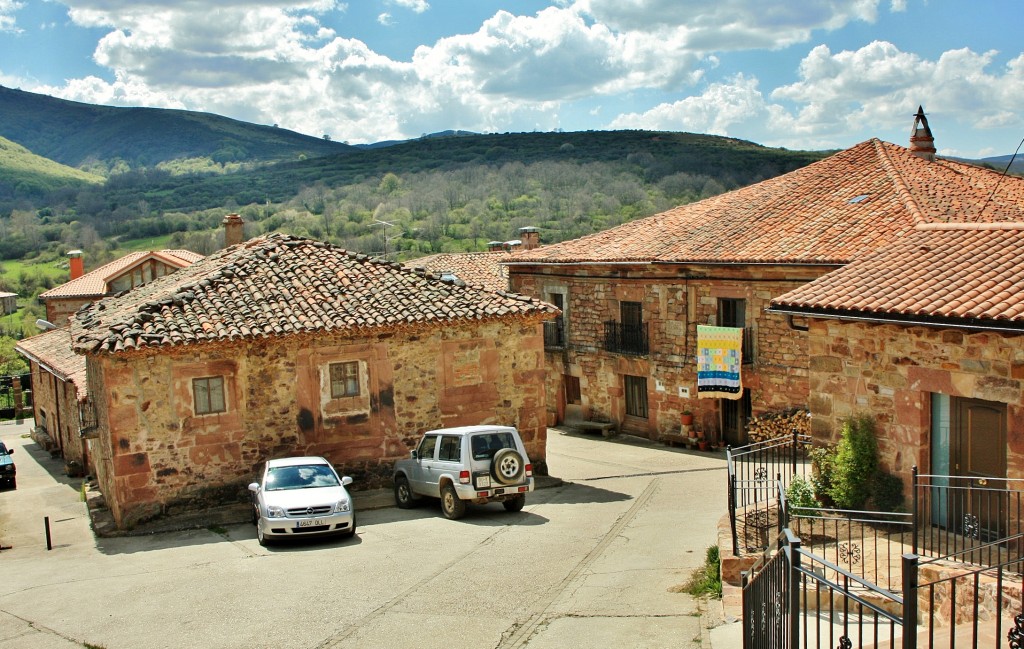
x: 595, y: 561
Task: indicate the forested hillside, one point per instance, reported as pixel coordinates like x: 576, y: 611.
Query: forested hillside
x: 28, y: 176
x: 106, y: 138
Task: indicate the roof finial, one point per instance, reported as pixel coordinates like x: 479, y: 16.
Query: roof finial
x: 922, y: 144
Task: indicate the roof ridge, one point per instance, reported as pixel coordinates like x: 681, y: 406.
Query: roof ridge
x: 1001, y: 225
x: 897, y: 180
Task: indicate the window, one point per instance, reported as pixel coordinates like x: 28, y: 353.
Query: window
x: 208, y: 393
x: 732, y: 312
x: 344, y: 379
x: 451, y: 449
x: 426, y: 449
x: 572, y: 388
x: 631, y: 314
x: 636, y: 396
x: 554, y: 330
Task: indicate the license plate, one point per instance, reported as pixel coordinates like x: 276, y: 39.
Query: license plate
x: 311, y: 522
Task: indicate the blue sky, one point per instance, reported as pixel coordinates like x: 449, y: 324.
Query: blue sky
x: 811, y: 74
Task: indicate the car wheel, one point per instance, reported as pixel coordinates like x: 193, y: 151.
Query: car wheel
x: 403, y: 493
x: 451, y: 505
x: 508, y: 467
x: 260, y: 536
x: 515, y: 504
x: 352, y: 532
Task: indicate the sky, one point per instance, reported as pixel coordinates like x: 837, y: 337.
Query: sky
x: 801, y: 74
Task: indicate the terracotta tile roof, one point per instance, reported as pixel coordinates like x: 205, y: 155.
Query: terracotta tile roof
x: 474, y: 268
x: 94, y: 283
x: 829, y: 212
x: 52, y: 349
x: 961, y: 271
x: 279, y: 285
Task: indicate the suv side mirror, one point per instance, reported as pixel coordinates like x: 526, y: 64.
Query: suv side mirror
x: 254, y: 487
x: 414, y: 454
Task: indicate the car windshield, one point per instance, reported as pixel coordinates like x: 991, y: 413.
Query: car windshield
x: 485, y: 445
x: 3, y: 449
x: 300, y: 477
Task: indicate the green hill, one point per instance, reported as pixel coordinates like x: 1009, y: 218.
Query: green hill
x: 74, y: 134
x: 26, y: 175
x: 648, y: 156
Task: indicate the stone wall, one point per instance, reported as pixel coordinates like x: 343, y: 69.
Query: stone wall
x: 58, y: 310
x: 158, y: 455
x: 890, y: 371
x: 675, y: 299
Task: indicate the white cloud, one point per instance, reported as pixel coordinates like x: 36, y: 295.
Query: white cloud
x: 418, y: 6
x: 730, y: 24
x: 873, y: 90
x: 385, y: 19
x: 7, y: 10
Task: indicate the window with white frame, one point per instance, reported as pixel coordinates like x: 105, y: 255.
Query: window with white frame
x: 344, y: 379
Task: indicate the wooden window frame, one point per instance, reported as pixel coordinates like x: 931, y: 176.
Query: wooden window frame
x: 205, y: 405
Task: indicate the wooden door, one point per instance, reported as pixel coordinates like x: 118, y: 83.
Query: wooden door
x: 978, y: 455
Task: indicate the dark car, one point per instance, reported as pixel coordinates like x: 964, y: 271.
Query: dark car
x: 7, y: 470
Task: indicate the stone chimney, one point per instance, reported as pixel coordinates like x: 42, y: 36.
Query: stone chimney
x: 76, y: 265
x: 495, y: 246
x: 530, y: 237
x: 922, y: 144
x: 233, y: 230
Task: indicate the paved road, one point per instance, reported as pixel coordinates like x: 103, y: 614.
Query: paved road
x: 591, y: 563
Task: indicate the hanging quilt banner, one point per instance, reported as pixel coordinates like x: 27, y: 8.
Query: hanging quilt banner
x: 719, y: 359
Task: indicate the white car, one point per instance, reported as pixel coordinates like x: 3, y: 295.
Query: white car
x: 301, y: 496
x: 477, y: 464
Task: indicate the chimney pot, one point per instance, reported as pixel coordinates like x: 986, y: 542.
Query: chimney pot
x: 233, y: 230
x: 922, y: 144
x: 530, y: 237
x: 76, y: 265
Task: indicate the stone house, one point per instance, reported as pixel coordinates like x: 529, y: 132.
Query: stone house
x: 282, y: 346
x: 59, y: 396
x: 632, y: 297
x: 928, y: 336
x: 8, y: 303
x: 122, y: 274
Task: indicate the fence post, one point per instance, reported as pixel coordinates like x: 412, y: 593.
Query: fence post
x: 914, y: 500
x: 793, y: 454
x: 910, y: 600
x: 793, y: 550
x: 732, y: 511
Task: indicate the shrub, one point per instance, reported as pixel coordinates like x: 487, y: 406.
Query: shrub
x: 800, y: 493
x: 856, y: 463
x: 887, y: 492
x: 823, y: 463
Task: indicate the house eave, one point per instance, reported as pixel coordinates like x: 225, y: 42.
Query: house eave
x: 943, y: 322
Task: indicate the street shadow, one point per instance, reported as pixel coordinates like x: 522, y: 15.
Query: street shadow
x: 54, y: 466
x: 576, y: 492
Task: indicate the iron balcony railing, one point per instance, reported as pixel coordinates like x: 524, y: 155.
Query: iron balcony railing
x: 554, y: 334
x: 629, y: 339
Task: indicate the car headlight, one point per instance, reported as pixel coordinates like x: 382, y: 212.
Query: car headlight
x: 342, y: 506
x: 275, y: 512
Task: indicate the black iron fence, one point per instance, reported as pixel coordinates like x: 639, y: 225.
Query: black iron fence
x: 757, y: 473
x: 794, y: 598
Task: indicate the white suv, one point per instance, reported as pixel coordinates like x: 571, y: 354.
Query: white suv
x: 479, y: 464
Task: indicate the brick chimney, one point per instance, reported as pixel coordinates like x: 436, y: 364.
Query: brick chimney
x: 922, y: 144
x: 530, y: 237
x: 494, y: 246
x: 233, y: 230
x: 76, y: 265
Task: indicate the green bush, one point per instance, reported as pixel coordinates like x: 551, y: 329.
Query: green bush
x: 856, y: 463
x: 823, y: 463
x: 800, y: 493
x: 887, y: 492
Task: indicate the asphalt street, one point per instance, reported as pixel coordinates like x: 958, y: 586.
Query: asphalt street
x: 595, y: 562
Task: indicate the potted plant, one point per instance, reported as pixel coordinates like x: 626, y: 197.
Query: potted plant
x: 686, y: 418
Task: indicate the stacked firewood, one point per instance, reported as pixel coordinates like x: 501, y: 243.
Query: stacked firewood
x: 778, y: 424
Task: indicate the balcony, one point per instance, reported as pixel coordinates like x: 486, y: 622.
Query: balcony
x: 629, y: 339
x: 554, y: 334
